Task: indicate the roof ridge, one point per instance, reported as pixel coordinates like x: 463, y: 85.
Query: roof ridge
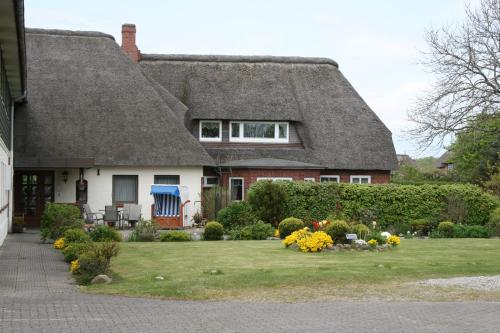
x: 239, y: 58
x: 60, y: 32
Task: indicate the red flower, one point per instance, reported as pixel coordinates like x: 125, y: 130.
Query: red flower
x: 315, y: 225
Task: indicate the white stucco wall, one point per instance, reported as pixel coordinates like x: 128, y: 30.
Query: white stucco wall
x: 5, y: 185
x: 100, y: 186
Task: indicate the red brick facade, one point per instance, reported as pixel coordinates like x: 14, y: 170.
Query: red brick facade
x: 128, y: 42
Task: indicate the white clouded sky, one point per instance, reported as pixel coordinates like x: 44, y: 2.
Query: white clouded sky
x: 376, y: 43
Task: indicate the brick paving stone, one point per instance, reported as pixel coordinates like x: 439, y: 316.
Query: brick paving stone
x: 37, y: 295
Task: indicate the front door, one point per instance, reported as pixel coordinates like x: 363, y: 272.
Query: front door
x: 32, y: 189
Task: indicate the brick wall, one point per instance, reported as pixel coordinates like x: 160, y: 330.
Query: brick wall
x: 128, y: 42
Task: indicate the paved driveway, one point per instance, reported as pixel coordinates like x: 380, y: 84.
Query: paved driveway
x: 36, y: 296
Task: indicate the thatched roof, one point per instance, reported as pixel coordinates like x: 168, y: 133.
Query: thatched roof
x: 89, y: 102
x: 337, y: 128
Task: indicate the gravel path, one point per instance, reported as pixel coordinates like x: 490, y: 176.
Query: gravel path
x: 36, y: 296
x: 469, y: 282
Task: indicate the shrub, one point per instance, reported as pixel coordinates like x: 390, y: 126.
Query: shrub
x: 393, y: 240
x: 421, y: 226
x: 76, y: 236
x: 377, y: 237
x: 337, y: 230
x: 236, y: 214
x: 95, y: 261
x: 494, y: 222
x: 257, y: 231
x: 175, y: 236
x: 57, y: 218
x: 289, y: 225
x: 144, y: 231
x: 471, y: 231
x: 314, y: 242
x: 59, y: 244
x: 360, y: 230
x: 266, y: 199
x: 213, y: 231
x: 104, y: 233
x: 445, y: 228
x: 73, y: 250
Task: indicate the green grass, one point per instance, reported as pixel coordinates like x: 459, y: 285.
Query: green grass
x: 266, y: 270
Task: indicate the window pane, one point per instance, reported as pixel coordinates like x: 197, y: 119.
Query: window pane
x: 329, y: 179
x: 125, y: 189
x: 210, y: 129
x: 237, y: 189
x: 355, y: 180
x: 364, y: 180
x: 167, y: 179
x: 235, y: 130
x: 283, y: 130
x: 265, y: 131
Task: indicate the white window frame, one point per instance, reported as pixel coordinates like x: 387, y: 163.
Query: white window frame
x: 337, y: 177
x: 276, y: 138
x: 205, y: 184
x: 286, y: 179
x: 219, y: 139
x: 310, y: 179
x: 361, y: 176
x: 242, y: 188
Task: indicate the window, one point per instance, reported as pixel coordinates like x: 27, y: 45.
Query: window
x: 286, y: 179
x: 210, y: 130
x: 210, y: 181
x: 449, y: 166
x: 236, y: 187
x: 269, y: 132
x: 329, y: 178
x: 361, y: 179
x: 167, y: 179
x: 125, y: 188
x: 309, y: 179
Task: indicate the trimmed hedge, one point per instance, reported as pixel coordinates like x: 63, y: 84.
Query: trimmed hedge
x: 175, y: 236
x: 213, y: 231
x: 393, y: 204
x: 59, y: 217
x: 289, y: 225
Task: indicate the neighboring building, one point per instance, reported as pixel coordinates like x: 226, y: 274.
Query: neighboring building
x: 119, y: 124
x: 12, y: 89
x: 445, y: 162
x: 404, y: 159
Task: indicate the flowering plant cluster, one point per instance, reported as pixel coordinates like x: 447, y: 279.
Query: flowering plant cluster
x: 59, y: 244
x: 393, y: 240
x: 372, y: 242
x: 321, y: 225
x: 75, y: 265
x: 308, y: 241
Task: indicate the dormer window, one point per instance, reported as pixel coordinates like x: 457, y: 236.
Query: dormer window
x: 262, y: 131
x: 210, y: 130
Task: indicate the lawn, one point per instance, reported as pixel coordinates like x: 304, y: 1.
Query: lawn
x: 264, y: 270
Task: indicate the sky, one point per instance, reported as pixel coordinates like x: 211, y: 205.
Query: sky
x: 378, y: 44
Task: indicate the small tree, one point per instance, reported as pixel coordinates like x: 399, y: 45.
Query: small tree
x: 267, y: 200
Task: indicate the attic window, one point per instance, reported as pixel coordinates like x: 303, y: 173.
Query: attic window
x: 210, y: 130
x: 262, y: 131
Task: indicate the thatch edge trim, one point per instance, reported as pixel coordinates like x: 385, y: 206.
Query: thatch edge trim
x: 58, y: 32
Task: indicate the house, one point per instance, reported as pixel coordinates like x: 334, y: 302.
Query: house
x: 405, y: 159
x: 103, y: 123
x: 12, y: 90
x: 445, y: 162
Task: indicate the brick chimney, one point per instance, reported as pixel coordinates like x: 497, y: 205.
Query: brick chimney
x: 128, y: 42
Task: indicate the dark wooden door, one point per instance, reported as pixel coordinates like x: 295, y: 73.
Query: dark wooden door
x: 32, y: 189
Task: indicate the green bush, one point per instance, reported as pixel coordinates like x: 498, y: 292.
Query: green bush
x: 378, y: 237
x: 471, y: 231
x: 445, y: 228
x: 494, y: 222
x: 175, y: 236
x: 57, y: 218
x: 76, y: 236
x: 73, y: 250
x: 96, y: 260
x: 236, y: 214
x: 392, y: 204
x: 267, y: 200
x: 289, y: 225
x: 213, y: 231
x: 144, y: 231
x: 337, y: 230
x: 422, y: 226
x: 257, y: 231
x: 104, y: 233
x: 360, y: 230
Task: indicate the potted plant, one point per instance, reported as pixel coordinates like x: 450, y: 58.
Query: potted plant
x: 197, y: 219
x: 18, y: 224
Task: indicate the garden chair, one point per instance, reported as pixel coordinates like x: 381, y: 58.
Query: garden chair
x: 134, y: 214
x: 111, y: 216
x: 91, y: 217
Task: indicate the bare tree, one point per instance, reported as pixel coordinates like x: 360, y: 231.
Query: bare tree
x: 466, y: 61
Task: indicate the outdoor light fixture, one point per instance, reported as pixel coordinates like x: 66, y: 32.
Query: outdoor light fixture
x: 65, y: 176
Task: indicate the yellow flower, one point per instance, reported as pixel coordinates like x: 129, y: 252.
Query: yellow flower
x: 75, y: 265
x: 295, y: 236
x: 59, y: 244
x: 372, y: 242
x: 314, y: 242
x: 276, y: 233
x: 393, y: 240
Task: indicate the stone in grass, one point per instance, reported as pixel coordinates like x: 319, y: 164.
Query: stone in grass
x: 213, y: 272
x: 159, y: 278
x: 100, y: 279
